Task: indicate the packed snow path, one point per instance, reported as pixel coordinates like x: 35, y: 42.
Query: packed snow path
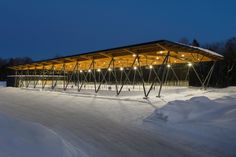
x: 99, y: 127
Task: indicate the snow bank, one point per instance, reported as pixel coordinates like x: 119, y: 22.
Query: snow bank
x: 19, y: 138
x: 195, y: 109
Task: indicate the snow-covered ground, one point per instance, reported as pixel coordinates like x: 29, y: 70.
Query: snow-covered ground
x: 183, y: 122
x: 19, y: 138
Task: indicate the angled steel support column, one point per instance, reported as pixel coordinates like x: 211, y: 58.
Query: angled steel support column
x: 58, y: 76
x: 70, y: 78
x: 157, y: 76
x: 77, y: 75
x: 149, y: 75
x: 36, y: 83
x: 104, y: 76
x: 53, y: 71
x: 64, y: 75
x: 48, y: 72
x: 187, y: 74
x: 133, y: 81
x: 85, y: 78
x: 28, y: 79
x: 16, y: 78
x: 43, y: 77
x: 94, y: 75
x: 35, y: 68
x: 141, y: 76
x: 167, y: 74
x: 200, y: 80
x: 154, y: 80
x: 131, y: 68
x: 114, y: 75
x: 164, y: 73
x: 126, y: 76
x: 177, y: 78
x: 21, y: 78
x: 208, y: 77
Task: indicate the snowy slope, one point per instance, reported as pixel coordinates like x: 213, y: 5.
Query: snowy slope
x: 19, y: 138
x: 184, y: 122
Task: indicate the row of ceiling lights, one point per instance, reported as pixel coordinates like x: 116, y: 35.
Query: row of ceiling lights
x: 135, y: 68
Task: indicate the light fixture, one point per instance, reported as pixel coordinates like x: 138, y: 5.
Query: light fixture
x: 182, y: 55
x: 168, y: 66
x: 109, y: 69
x: 157, y: 58
x: 98, y: 70
x: 134, y: 55
x: 81, y: 71
x: 190, y: 64
x: 89, y: 70
x: 135, y: 68
x: 175, y: 61
x: 121, y: 68
x: 161, y: 52
x: 150, y: 66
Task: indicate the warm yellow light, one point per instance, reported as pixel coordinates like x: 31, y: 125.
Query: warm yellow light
x: 150, y: 66
x: 99, y: 70
x: 168, y: 65
x: 81, y: 71
x: 190, y: 64
x: 161, y: 52
x: 182, y: 55
x: 89, y: 70
x: 134, y: 55
x: 109, y: 69
x: 135, y: 68
x: 121, y: 68
x: 157, y: 58
x: 175, y: 61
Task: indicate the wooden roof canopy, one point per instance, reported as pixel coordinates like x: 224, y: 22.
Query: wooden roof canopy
x: 150, y: 53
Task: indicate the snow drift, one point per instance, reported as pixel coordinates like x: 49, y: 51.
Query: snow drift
x: 19, y: 138
x: 195, y: 109
x: 204, y: 125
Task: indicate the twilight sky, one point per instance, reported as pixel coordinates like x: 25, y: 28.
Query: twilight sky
x: 44, y: 29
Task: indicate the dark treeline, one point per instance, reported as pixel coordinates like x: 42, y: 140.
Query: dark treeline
x: 224, y: 73
x: 5, y: 63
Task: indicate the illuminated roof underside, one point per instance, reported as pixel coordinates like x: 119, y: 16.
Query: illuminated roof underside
x: 151, y: 53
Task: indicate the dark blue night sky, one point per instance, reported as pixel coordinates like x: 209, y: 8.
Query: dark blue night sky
x: 45, y: 28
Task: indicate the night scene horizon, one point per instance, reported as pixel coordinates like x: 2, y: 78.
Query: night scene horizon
x: 46, y: 29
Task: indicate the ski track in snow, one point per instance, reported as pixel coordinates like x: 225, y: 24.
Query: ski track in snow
x: 126, y: 126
